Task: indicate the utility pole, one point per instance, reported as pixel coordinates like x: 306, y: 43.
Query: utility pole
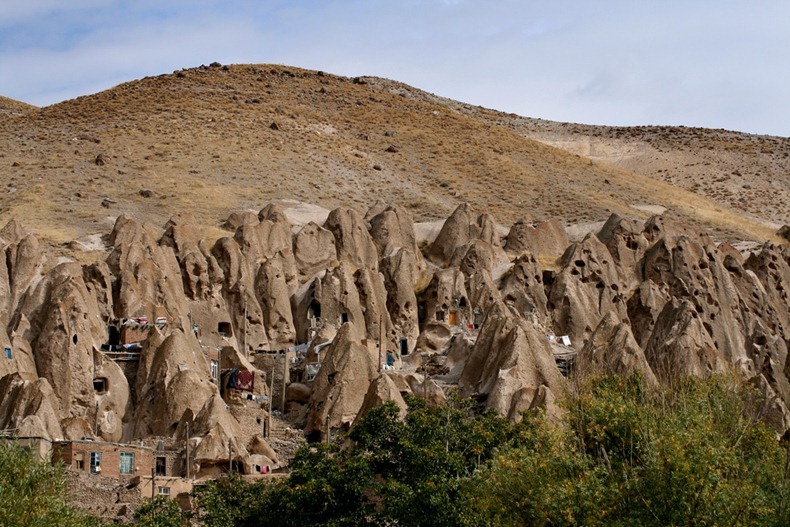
x: 271, y: 397
x: 187, y: 455
x: 382, y: 344
x: 425, y: 378
x: 285, y: 375
x: 245, y: 329
x: 96, y: 421
x: 327, y: 438
x: 219, y: 369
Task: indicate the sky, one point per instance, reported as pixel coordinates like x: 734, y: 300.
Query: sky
x: 710, y: 63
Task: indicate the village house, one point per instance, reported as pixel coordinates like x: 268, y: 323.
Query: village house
x: 114, y: 460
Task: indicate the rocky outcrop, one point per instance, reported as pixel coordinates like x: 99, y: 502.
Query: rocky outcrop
x: 340, y: 388
x: 383, y: 389
x: 392, y: 230
x: 459, y: 230
x: 509, y: 363
x: 314, y: 249
x: 65, y: 328
x: 29, y: 408
x: 173, y: 376
x: 401, y: 273
x: 650, y: 297
x: 545, y: 239
x: 680, y: 345
x: 271, y: 289
x: 523, y: 286
x: 373, y: 302
x: 354, y: 245
x: 613, y: 349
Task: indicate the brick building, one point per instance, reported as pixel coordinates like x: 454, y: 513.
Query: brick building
x: 114, y: 460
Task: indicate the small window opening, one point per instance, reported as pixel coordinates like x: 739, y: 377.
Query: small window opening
x: 163, y: 491
x: 100, y: 385
x: 161, y: 466
x: 404, y: 346
x: 343, y: 318
x: 127, y: 463
x: 8, y: 353
x: 462, y: 302
x: 74, y: 338
x: 95, y: 462
x: 225, y: 329
x: 478, y: 319
x: 113, y: 335
x: 440, y: 316
x: 314, y: 311
x: 421, y: 312
x: 214, y: 369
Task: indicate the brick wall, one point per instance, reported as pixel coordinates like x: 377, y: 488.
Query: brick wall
x: 130, y: 334
x: 77, y: 456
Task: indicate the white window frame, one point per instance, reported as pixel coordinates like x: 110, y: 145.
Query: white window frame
x: 126, y: 465
x: 214, y: 369
x: 95, y: 462
x: 163, y: 491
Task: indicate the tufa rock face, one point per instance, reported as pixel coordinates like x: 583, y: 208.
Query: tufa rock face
x: 173, y: 376
x: 352, y: 240
x: 314, y: 249
x: 613, y: 349
x: 69, y: 328
x: 381, y: 390
x: 547, y: 239
x: 273, y: 295
x: 680, y: 345
x: 456, y: 232
x: 392, y: 230
x: 588, y: 287
x: 341, y: 385
x: 30, y: 408
x: 649, y: 297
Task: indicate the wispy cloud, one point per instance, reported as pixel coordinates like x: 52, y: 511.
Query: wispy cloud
x: 706, y: 63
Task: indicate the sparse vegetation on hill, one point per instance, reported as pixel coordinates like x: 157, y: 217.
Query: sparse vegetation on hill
x: 212, y: 140
x: 229, y: 335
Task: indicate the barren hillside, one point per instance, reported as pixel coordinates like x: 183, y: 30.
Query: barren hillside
x: 746, y: 172
x: 216, y: 139
x: 258, y: 265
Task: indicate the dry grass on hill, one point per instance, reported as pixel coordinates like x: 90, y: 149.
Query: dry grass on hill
x: 213, y: 140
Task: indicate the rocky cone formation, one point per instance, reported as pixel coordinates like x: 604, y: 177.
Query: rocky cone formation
x: 332, y: 319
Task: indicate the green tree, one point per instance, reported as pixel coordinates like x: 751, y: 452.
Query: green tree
x: 33, y: 493
x: 622, y: 454
x: 159, y: 512
x: 630, y: 455
x: 227, y: 500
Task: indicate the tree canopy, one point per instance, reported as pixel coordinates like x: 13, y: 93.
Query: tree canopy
x: 33, y: 492
x: 622, y: 453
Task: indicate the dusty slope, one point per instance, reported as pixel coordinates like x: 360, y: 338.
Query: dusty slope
x: 203, y: 140
x: 746, y: 172
x: 14, y: 107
